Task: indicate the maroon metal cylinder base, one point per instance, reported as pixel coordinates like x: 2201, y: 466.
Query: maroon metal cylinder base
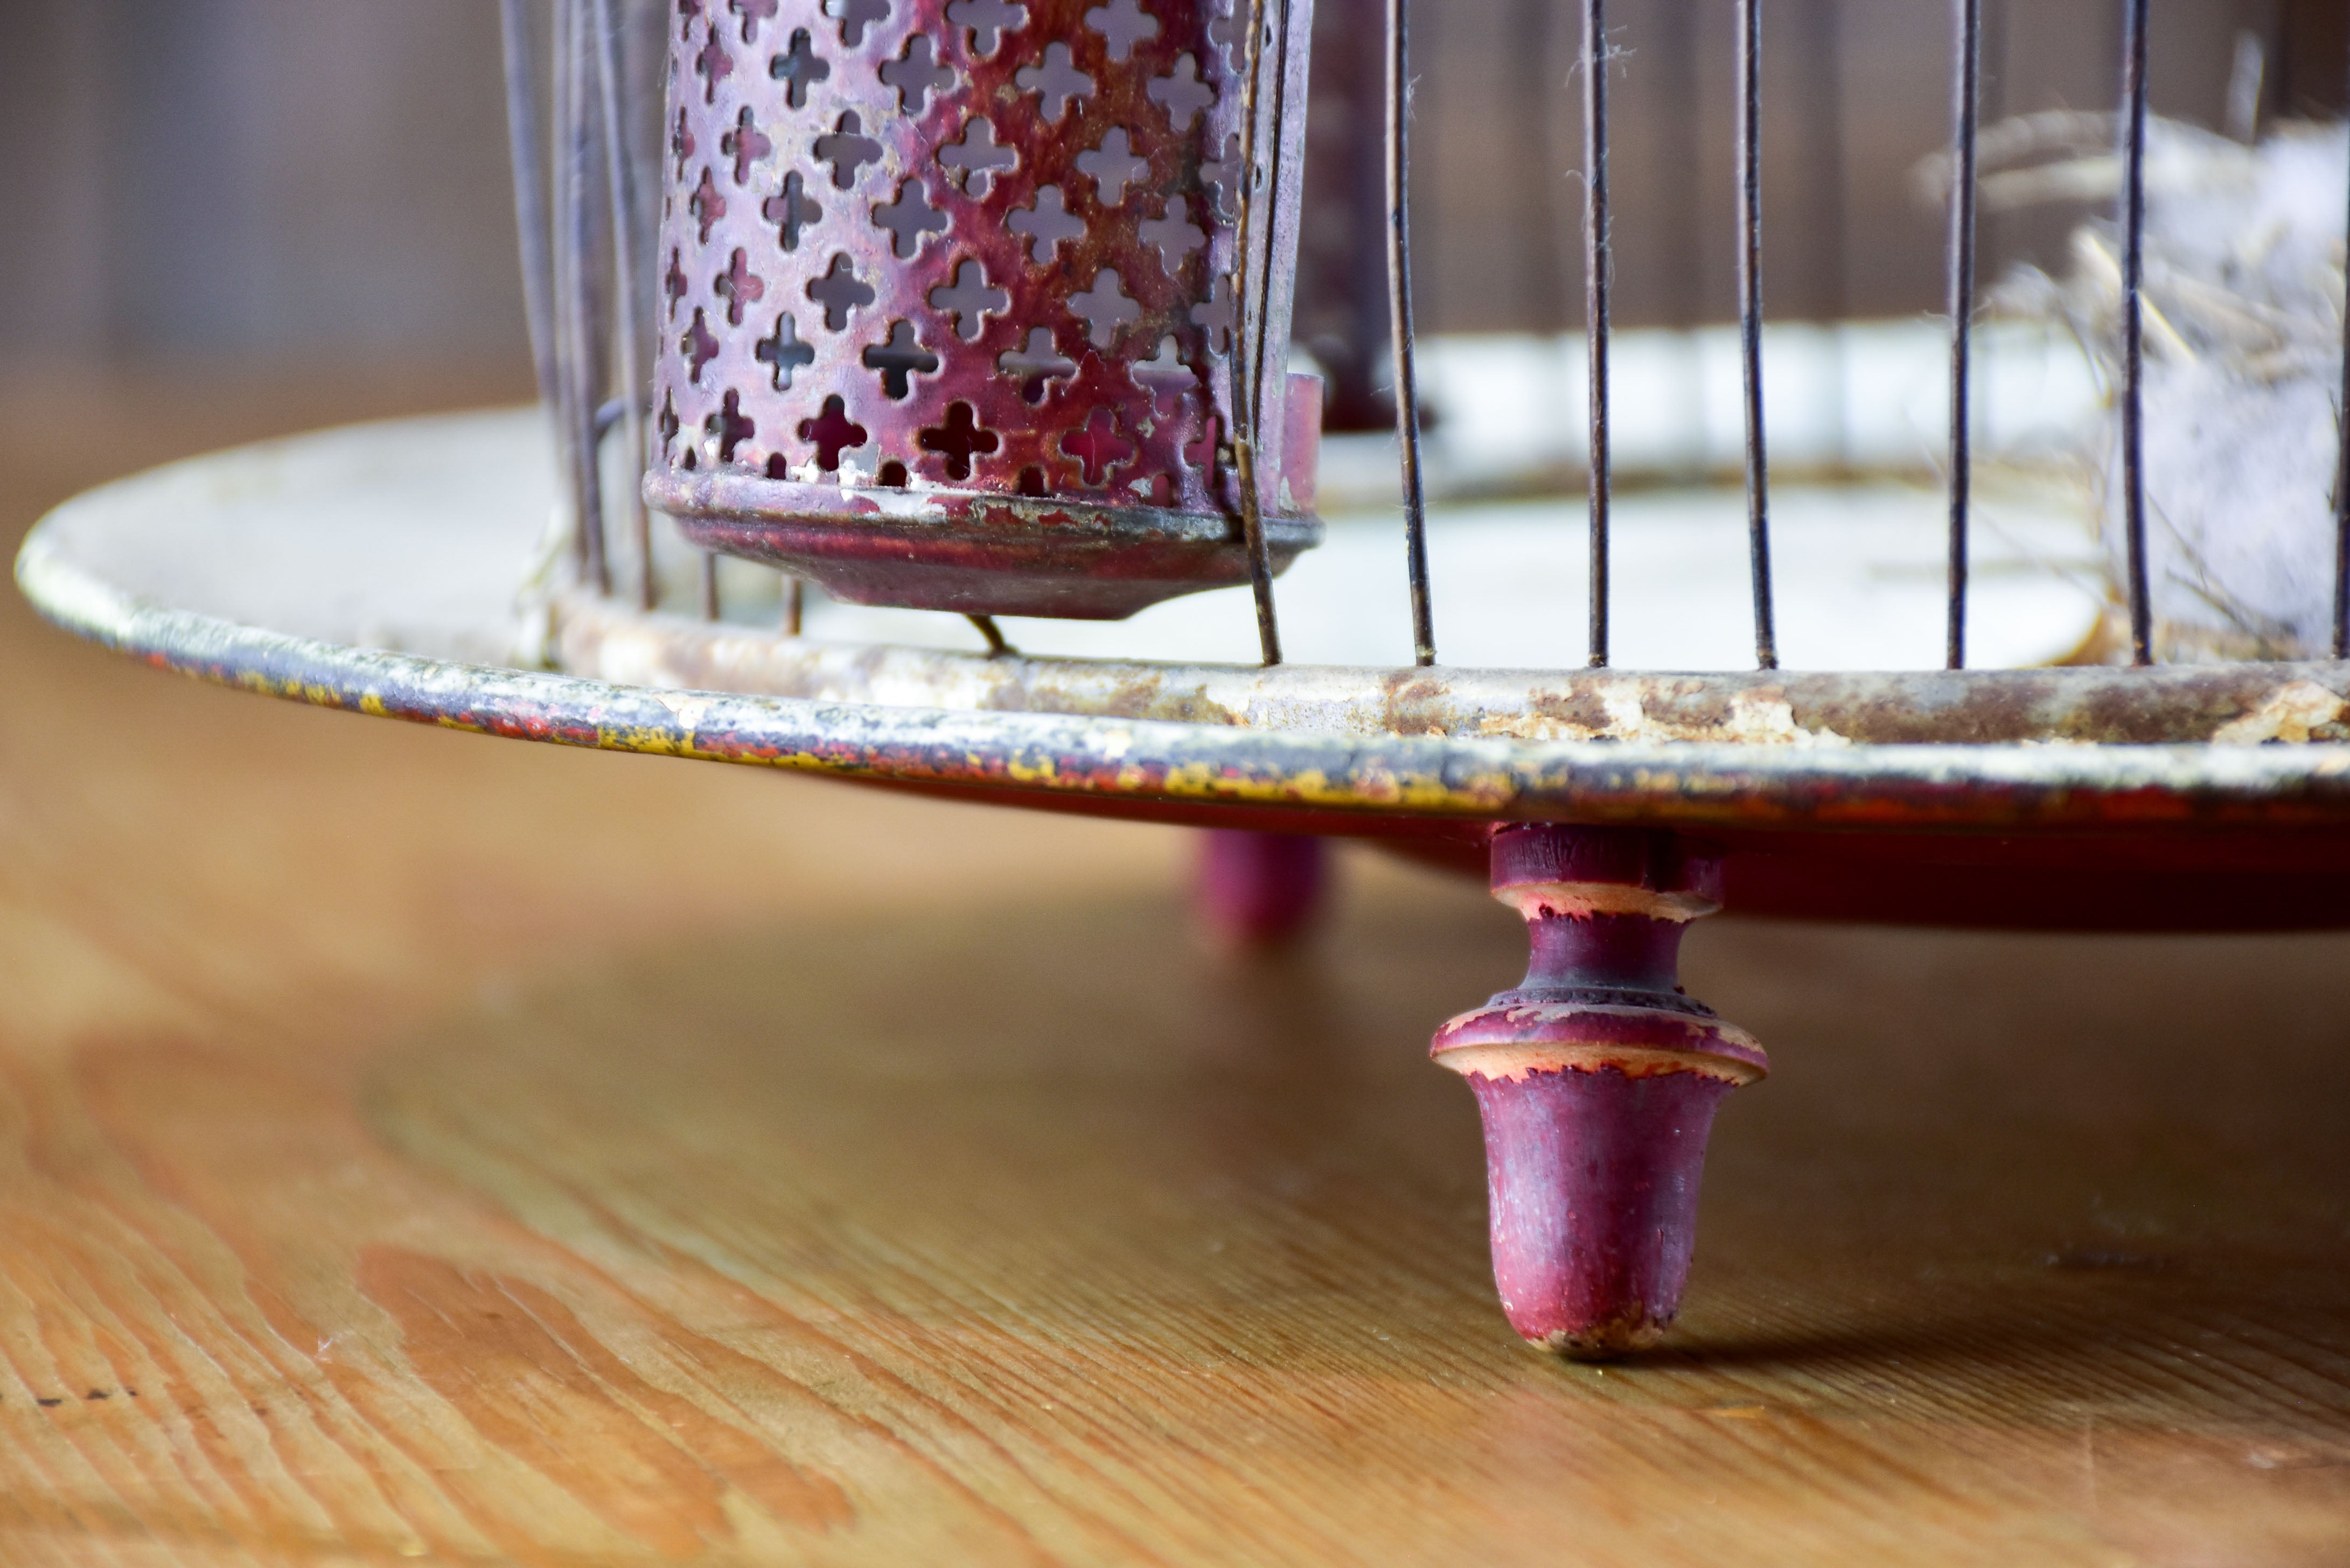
x: 1597, y: 1079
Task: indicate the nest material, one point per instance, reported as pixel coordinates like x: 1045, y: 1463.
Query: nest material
x: 2244, y: 333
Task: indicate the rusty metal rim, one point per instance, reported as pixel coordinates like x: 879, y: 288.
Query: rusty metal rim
x: 1382, y: 783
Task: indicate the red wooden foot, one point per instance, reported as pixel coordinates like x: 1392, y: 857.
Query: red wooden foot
x: 1260, y: 889
x: 1597, y: 1079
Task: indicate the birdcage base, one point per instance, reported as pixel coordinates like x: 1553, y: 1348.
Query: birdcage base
x: 1598, y: 1080
x: 968, y: 552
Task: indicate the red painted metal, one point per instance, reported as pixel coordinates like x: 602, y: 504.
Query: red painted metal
x: 1597, y: 1079
x: 948, y: 297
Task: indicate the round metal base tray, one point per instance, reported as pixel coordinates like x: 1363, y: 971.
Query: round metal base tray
x: 375, y: 570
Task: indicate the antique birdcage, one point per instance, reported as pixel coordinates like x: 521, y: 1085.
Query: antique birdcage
x: 982, y: 307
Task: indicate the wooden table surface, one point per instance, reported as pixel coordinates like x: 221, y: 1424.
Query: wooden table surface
x: 416, y: 1147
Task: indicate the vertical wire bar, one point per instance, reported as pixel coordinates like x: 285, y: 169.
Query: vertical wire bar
x: 631, y: 324
x: 1244, y: 409
x: 795, y: 604
x: 529, y: 190
x: 1400, y: 343
x: 1750, y: 324
x: 709, y: 584
x: 2141, y: 609
x: 2341, y: 489
x: 1597, y: 256
x: 1966, y: 102
x: 577, y: 353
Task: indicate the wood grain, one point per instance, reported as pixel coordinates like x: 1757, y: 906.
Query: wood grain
x: 417, y: 1148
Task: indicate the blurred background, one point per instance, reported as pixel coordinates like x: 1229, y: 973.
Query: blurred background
x: 275, y: 181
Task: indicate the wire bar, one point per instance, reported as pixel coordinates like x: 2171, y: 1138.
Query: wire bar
x: 1966, y: 88
x: 529, y: 190
x: 709, y: 584
x: 795, y: 604
x: 2133, y: 215
x: 1246, y: 411
x: 1750, y: 324
x: 998, y: 646
x: 1596, y: 280
x: 631, y: 326
x: 1400, y: 344
x: 2342, y: 504
x: 576, y: 334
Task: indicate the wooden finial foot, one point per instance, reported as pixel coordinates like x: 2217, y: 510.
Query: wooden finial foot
x: 1598, y: 1080
x: 1259, y: 890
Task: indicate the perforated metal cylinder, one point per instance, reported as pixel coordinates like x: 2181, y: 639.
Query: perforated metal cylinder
x: 948, y: 296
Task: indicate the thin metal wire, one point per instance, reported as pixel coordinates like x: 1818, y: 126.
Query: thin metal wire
x: 1966, y: 88
x: 2342, y: 504
x: 1596, y: 257
x: 2133, y: 151
x: 577, y: 353
x: 631, y: 326
x: 795, y: 604
x: 529, y: 189
x: 1750, y: 324
x: 1245, y: 400
x: 997, y: 644
x: 709, y: 584
x: 1400, y: 344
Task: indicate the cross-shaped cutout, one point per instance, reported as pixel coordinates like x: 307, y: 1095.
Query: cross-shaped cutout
x: 970, y: 299
x: 1222, y: 175
x: 916, y: 74
x: 1057, y: 82
x: 746, y: 144
x: 708, y: 204
x: 1105, y: 307
x: 1046, y: 224
x: 674, y: 282
x: 666, y: 422
x: 1215, y: 313
x: 790, y: 210
x: 728, y: 428
x: 688, y: 11
x: 1124, y: 22
x: 975, y: 157
x: 713, y: 65
x: 1175, y: 235
x: 986, y: 19
x: 1036, y: 364
x: 1098, y: 448
x: 1166, y: 365
x: 908, y: 218
x: 681, y: 143
x: 783, y: 352
x: 698, y: 346
x: 846, y: 148
x: 1183, y: 93
x: 1113, y: 166
x: 832, y: 432
x: 854, y: 15
x: 739, y: 287
x: 958, y: 440
x: 753, y: 12
x: 902, y: 354
x: 800, y: 67
x: 839, y: 291
x: 1206, y: 452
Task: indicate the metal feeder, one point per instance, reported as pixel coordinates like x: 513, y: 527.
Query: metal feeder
x: 1609, y: 807
x: 947, y: 299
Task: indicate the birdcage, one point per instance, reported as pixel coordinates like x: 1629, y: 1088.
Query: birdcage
x: 982, y: 308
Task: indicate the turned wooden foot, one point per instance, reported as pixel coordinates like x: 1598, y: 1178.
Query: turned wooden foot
x: 1598, y: 1080
x: 1260, y: 889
